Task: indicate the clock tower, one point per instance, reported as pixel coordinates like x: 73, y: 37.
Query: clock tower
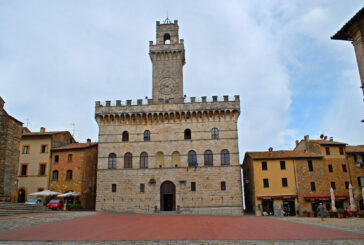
x: 168, y: 58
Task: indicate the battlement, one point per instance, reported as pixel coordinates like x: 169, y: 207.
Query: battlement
x: 192, y: 100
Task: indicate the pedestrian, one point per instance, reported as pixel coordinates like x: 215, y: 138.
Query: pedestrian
x: 321, y: 211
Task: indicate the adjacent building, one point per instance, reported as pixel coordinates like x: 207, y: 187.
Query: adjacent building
x: 73, y: 169
x: 270, y: 181
x: 298, y: 180
x: 10, y: 135
x: 355, y: 156
x: 169, y: 154
x: 315, y: 178
x: 353, y: 31
x: 35, y: 159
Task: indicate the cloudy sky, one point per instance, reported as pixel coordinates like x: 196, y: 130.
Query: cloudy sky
x: 58, y: 57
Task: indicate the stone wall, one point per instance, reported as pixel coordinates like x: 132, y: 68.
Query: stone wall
x: 10, y: 134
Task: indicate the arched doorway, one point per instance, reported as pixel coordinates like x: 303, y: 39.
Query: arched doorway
x: 21, y: 195
x: 168, y: 196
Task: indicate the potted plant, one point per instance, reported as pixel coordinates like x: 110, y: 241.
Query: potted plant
x: 312, y: 214
x: 305, y: 213
x: 76, y: 206
x: 360, y: 214
x: 340, y: 213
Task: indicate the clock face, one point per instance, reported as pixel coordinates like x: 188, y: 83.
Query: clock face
x: 166, y: 86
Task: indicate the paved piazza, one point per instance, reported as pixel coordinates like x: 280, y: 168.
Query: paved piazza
x: 107, y: 228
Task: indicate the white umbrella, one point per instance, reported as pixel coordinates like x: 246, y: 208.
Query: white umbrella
x: 333, y: 208
x: 69, y: 194
x: 45, y: 193
x: 352, y: 202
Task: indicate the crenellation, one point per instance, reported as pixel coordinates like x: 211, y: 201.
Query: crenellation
x: 118, y: 103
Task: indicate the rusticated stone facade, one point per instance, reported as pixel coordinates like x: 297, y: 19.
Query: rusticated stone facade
x: 10, y: 134
x: 145, y: 148
x: 73, y: 168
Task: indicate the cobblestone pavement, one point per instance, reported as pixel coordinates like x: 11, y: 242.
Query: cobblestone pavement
x: 355, y: 225
x: 351, y: 225
x: 23, y: 221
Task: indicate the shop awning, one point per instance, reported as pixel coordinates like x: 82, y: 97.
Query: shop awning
x: 325, y: 198
x: 276, y: 197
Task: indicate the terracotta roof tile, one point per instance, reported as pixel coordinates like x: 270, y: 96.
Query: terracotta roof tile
x: 75, y: 146
x: 49, y: 133
x: 281, y: 154
x: 355, y: 148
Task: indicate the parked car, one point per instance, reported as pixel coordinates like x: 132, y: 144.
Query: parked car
x: 37, y: 202
x: 55, y: 204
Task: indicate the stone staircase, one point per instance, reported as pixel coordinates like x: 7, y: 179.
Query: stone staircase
x: 8, y: 208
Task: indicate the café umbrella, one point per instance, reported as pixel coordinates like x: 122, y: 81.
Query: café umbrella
x: 333, y: 208
x: 44, y: 193
x: 69, y: 194
x: 351, y: 196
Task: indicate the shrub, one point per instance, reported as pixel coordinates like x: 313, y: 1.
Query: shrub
x: 340, y: 211
x: 76, y: 206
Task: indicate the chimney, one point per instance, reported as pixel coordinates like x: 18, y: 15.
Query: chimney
x: 2, y: 102
x: 306, y: 141
x: 42, y: 129
x: 297, y: 142
x: 270, y: 149
x: 89, y: 141
x: 331, y: 138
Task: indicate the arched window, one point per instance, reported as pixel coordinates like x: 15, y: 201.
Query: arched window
x: 128, y: 160
x: 55, y: 175
x: 167, y: 38
x: 144, y: 160
x: 146, y: 135
x: 188, y: 134
x: 214, y: 133
x: 175, y: 159
x: 69, y: 175
x: 192, y: 159
x: 112, y: 161
x: 208, y: 157
x: 225, y: 157
x: 125, y: 136
x: 160, y: 160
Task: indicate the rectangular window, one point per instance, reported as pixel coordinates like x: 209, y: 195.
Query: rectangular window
x: 341, y: 150
x: 284, y: 182
x: 223, y: 185
x: 313, y: 186
x: 264, y: 166
x: 344, y: 168
x: 69, y: 158
x: 24, y: 169
x: 56, y: 159
x: 347, y: 185
x: 310, y: 165
x: 327, y: 149
x: 361, y: 181
x: 142, y: 187
x: 333, y: 186
x: 266, y: 183
x: 193, y: 186
x: 42, y: 169
x: 44, y: 149
x: 113, y: 187
x: 26, y: 149
x: 283, y: 165
x: 330, y: 168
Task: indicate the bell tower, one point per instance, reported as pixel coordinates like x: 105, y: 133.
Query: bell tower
x: 168, y: 58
